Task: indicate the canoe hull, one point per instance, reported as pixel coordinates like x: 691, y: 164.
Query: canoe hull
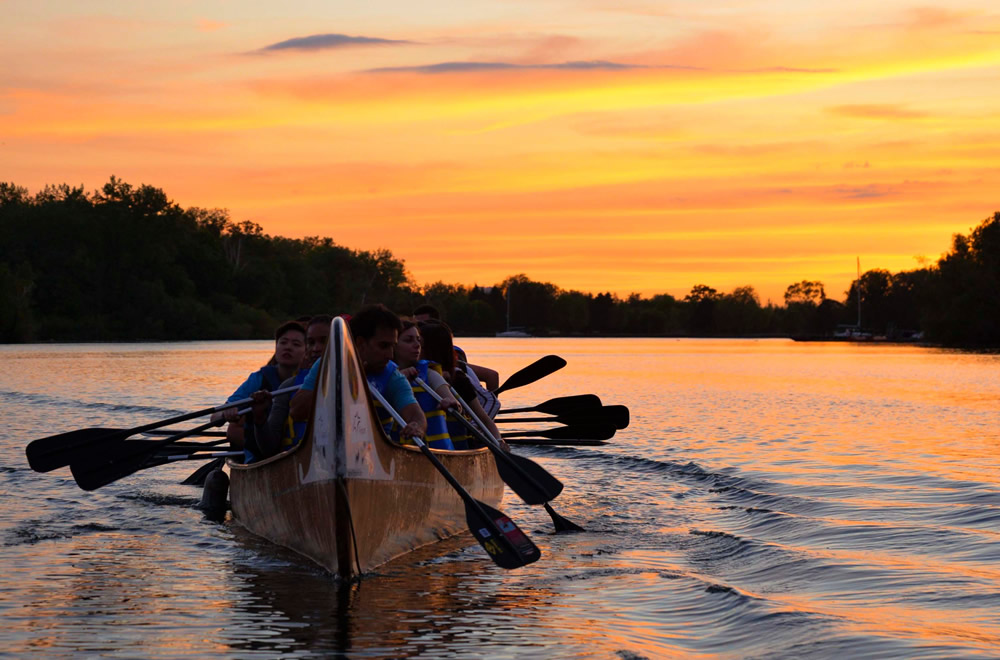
x: 347, y: 497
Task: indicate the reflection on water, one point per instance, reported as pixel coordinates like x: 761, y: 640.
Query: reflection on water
x: 769, y: 498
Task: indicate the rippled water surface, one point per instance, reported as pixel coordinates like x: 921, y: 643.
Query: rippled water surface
x: 768, y: 499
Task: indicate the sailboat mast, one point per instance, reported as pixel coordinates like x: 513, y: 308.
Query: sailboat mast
x: 859, y: 294
x: 508, y: 306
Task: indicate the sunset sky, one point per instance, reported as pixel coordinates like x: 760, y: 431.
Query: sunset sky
x: 602, y: 145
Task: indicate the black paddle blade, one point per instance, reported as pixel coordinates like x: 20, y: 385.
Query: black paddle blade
x: 197, y: 478
x: 513, y: 549
x: 580, y: 432
x: 617, y: 415
x: 56, y: 451
x: 131, y: 456
x: 564, y: 405
x: 532, y: 483
x: 562, y: 524
x: 534, y: 371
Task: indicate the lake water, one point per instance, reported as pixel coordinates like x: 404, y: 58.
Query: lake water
x: 769, y: 499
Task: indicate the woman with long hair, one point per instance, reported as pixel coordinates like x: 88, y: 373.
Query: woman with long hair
x: 439, y: 346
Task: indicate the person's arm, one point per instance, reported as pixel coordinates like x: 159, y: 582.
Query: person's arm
x: 487, y: 376
x: 477, y: 409
x: 268, y: 444
x: 467, y: 392
x: 234, y: 433
x: 416, y: 422
x: 440, y: 385
x: 399, y: 394
x: 244, y: 391
x: 278, y: 416
x: 301, y: 405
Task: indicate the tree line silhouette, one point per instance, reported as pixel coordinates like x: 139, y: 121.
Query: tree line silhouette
x: 126, y: 263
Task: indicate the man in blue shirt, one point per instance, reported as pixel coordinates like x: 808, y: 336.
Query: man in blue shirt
x: 375, y: 330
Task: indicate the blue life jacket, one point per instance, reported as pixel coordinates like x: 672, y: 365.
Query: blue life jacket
x: 437, y: 429
x: 270, y: 379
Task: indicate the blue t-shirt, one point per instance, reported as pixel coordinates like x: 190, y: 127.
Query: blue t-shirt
x: 257, y: 381
x: 397, y: 391
x: 254, y: 382
x: 310, y: 382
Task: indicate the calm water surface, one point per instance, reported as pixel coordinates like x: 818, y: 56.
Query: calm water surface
x: 769, y: 499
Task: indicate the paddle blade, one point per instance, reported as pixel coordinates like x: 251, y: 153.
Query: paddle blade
x: 562, y: 524
x: 532, y: 483
x: 564, y: 405
x: 56, y: 451
x: 131, y: 456
x: 534, y: 371
x: 197, y: 478
x: 616, y: 415
x: 579, y: 432
x: 513, y: 549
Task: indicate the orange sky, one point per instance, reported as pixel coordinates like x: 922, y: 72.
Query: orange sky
x: 629, y: 146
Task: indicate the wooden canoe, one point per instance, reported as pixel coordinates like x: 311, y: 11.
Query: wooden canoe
x: 346, y: 496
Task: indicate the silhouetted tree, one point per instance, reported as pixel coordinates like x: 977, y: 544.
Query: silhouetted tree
x: 125, y: 262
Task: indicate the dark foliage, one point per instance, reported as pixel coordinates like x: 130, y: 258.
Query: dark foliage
x: 126, y: 263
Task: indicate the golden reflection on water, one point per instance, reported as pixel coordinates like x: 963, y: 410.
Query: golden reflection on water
x: 767, y: 495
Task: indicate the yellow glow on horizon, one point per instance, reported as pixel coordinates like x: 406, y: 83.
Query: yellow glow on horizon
x: 724, y: 148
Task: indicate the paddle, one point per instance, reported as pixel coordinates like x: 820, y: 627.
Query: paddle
x: 194, y: 456
x: 127, y: 457
x: 203, y: 434
x: 545, y: 442
x: 617, y: 416
x: 532, y: 483
x: 503, y: 541
x: 561, y: 405
x: 56, y: 451
x: 535, y: 371
x: 193, y: 445
x: 517, y: 471
x: 579, y: 432
x: 197, y: 478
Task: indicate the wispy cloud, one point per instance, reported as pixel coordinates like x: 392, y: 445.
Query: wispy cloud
x: 460, y: 67
x: 326, y: 42
x: 872, y: 191
x: 936, y: 17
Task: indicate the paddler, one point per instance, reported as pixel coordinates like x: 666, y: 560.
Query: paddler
x: 438, y: 346
x: 407, y: 357
x: 375, y: 330
x: 289, y: 349
x: 273, y: 430
x: 478, y: 374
